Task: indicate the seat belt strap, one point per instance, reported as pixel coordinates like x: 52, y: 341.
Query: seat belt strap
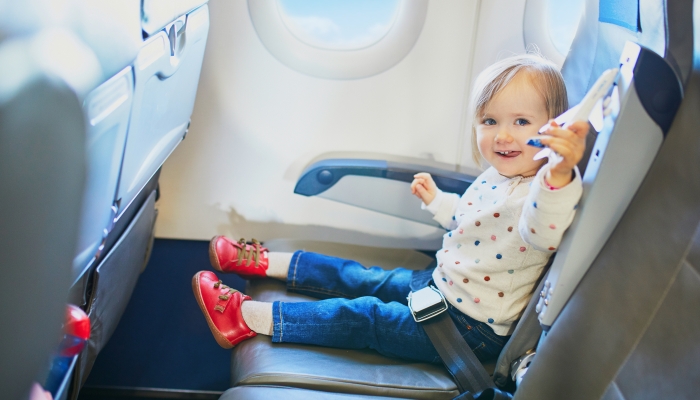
x: 456, y: 354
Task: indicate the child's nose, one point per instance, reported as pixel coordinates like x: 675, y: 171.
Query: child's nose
x: 503, y: 136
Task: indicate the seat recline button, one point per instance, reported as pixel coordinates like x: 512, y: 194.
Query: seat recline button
x: 325, y: 177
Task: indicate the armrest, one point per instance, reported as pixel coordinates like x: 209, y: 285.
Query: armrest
x: 323, y: 174
x: 377, y: 185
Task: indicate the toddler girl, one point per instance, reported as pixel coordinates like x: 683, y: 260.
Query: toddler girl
x: 502, y: 231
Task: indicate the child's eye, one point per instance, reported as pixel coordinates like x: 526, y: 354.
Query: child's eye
x: 489, y: 121
x: 522, y: 122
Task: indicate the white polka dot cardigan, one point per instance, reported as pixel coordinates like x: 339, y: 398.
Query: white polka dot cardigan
x: 502, y: 232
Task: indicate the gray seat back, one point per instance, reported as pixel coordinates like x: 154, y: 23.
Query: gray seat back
x: 597, y: 47
x: 631, y: 329
x: 42, y: 173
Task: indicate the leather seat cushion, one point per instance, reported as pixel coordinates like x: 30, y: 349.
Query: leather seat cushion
x: 272, y: 392
x: 260, y: 362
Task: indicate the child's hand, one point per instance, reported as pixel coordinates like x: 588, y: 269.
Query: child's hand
x: 570, y: 143
x: 424, y: 187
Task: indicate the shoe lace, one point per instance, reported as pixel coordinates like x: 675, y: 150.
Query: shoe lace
x: 249, y: 252
x: 220, y: 285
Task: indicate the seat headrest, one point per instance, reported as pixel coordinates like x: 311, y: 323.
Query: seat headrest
x: 664, y: 27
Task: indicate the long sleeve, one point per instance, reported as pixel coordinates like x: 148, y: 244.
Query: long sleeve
x: 443, y: 208
x: 548, y: 213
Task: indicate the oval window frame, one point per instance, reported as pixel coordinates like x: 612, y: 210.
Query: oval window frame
x: 338, y: 64
x: 536, y: 30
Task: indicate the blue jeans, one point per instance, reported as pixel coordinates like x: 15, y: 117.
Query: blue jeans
x: 365, y: 308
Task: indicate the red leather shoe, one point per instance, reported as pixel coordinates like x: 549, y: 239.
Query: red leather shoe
x: 221, y: 306
x: 248, y: 261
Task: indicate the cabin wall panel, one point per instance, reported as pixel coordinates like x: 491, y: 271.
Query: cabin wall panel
x: 257, y: 123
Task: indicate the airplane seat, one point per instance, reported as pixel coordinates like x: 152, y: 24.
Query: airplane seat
x: 135, y: 118
x: 655, y: 38
x: 43, y: 176
x: 630, y: 329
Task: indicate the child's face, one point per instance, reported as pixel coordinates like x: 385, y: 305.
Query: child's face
x: 512, y: 117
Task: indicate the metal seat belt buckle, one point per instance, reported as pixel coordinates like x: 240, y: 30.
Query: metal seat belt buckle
x: 426, y: 303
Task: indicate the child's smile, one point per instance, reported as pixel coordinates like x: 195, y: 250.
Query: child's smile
x: 512, y: 117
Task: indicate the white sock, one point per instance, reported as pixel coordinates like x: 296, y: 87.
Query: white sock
x: 278, y: 264
x: 258, y: 316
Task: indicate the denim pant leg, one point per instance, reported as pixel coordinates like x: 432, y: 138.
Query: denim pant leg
x: 323, y: 277
x: 364, y: 322
x: 367, y: 322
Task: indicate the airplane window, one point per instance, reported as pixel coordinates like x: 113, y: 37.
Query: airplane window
x: 339, y: 24
x: 551, y: 26
x: 563, y: 18
x: 338, y: 39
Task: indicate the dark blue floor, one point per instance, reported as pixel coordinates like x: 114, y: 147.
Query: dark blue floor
x: 163, y: 340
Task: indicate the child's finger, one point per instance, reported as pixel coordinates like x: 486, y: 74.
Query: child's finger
x: 549, y: 125
x: 580, y: 128
x: 572, y: 154
x: 560, y: 133
x: 422, y: 175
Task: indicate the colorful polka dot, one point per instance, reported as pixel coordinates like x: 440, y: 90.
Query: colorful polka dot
x: 490, y: 320
x: 465, y: 280
x: 499, y: 256
x: 450, y: 283
x: 522, y: 249
x: 453, y: 218
x: 496, y: 215
x: 510, y: 271
x: 444, y: 280
x: 534, y: 204
x: 446, y: 250
x: 459, y: 300
x: 477, y: 261
x: 459, y: 245
x: 493, y: 187
x: 480, y: 196
x: 461, y: 231
x: 500, y: 294
x: 440, y: 265
x: 552, y: 226
x: 476, y: 188
x: 493, y: 237
x: 477, y: 223
x: 478, y: 210
x: 576, y: 206
x: 551, y: 248
x: 461, y: 215
x: 477, y: 300
x: 470, y: 203
x: 487, y: 278
x: 510, y: 229
x: 532, y: 230
x: 482, y: 182
x: 494, y: 202
x: 476, y: 243
x: 449, y: 234
x: 457, y: 262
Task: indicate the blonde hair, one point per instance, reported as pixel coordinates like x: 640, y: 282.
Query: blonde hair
x: 494, y: 78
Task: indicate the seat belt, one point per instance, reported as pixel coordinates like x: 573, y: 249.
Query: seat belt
x: 428, y: 307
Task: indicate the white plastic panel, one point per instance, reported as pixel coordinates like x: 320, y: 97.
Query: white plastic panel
x: 361, y: 191
x: 258, y: 123
x: 157, y: 14
x: 107, y: 110
x: 166, y: 77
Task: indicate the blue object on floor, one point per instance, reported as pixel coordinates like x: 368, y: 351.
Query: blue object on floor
x: 163, y: 340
